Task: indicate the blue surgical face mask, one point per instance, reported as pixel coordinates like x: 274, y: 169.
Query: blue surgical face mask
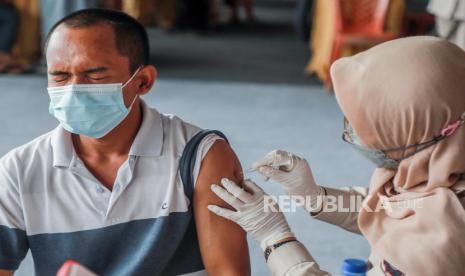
x: 380, y: 157
x: 92, y: 110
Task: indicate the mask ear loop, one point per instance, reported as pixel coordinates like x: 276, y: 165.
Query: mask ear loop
x: 128, y: 81
x: 446, y: 132
x: 132, y: 77
x: 450, y: 129
x: 133, y: 101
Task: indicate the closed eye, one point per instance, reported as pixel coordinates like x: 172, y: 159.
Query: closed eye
x: 97, y: 78
x: 96, y: 74
x: 58, y: 76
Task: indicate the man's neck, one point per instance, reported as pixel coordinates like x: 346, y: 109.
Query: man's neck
x: 116, y: 143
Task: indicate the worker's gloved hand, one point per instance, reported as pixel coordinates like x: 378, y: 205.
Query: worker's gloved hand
x: 255, y: 212
x: 291, y: 171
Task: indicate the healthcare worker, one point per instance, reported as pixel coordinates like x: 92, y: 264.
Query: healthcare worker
x: 404, y: 104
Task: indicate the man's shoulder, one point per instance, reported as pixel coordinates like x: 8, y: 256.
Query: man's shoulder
x: 170, y: 122
x: 175, y: 121
x: 177, y: 127
x: 25, y: 153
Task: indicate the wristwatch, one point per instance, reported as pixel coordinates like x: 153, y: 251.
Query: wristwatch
x: 275, y: 246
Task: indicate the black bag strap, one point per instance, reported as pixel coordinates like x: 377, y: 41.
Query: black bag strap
x: 188, y: 159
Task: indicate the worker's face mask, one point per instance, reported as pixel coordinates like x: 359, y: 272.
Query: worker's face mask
x: 380, y: 157
x: 92, y: 110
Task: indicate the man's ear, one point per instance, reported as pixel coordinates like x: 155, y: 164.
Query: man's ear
x: 147, y: 77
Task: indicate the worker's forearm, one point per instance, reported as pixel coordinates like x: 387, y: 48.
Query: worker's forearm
x: 293, y: 259
x: 341, y: 207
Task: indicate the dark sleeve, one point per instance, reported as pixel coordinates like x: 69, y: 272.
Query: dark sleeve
x: 13, y: 238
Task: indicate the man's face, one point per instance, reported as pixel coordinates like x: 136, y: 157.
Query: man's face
x: 87, y: 56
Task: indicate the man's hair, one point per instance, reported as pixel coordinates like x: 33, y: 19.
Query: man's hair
x: 130, y: 36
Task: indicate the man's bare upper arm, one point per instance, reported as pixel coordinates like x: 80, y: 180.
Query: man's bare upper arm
x: 223, y: 243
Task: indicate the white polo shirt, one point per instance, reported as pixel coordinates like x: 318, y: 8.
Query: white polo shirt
x: 51, y: 204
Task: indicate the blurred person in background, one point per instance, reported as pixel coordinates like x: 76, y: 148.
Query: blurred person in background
x: 450, y: 20
x: 9, y: 21
x: 112, y: 4
x: 303, y: 18
x: 417, y: 5
x: 54, y: 10
x: 248, y: 7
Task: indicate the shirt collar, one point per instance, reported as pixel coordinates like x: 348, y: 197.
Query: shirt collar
x: 62, y: 147
x: 148, y: 141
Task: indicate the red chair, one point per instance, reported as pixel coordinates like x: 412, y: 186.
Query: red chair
x: 359, y: 24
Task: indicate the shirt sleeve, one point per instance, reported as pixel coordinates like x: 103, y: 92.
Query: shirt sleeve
x: 13, y: 239
x: 341, y: 207
x: 293, y: 259
x: 203, y: 149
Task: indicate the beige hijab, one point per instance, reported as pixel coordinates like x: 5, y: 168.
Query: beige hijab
x: 401, y: 93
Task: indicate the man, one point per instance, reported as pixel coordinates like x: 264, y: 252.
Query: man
x: 103, y: 188
x: 450, y: 20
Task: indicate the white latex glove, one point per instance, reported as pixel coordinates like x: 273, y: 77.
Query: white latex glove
x: 289, y: 170
x: 265, y: 227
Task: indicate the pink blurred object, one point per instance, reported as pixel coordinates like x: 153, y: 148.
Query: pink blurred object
x: 72, y: 268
